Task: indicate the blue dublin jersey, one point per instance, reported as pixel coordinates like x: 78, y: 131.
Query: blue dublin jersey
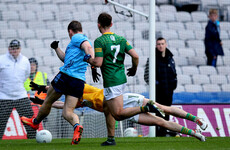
x: 74, y: 65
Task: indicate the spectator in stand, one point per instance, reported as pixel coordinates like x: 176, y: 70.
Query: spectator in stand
x: 14, y: 70
x: 213, y: 44
x: 166, y: 79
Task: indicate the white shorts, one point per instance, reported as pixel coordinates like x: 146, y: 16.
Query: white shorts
x: 133, y: 100
x: 114, y: 91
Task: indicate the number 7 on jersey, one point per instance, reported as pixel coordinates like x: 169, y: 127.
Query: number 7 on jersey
x: 117, y: 49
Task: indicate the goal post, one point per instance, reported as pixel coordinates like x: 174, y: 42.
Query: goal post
x: 152, y: 73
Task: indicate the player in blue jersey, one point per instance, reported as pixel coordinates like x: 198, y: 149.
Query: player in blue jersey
x: 69, y: 81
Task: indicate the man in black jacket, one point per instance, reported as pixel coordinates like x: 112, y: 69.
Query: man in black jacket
x: 166, y: 78
x: 213, y: 44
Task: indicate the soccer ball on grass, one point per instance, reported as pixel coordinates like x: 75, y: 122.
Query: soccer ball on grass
x: 130, y: 132
x: 43, y: 136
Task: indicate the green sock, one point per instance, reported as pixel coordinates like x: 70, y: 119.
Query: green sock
x: 144, y: 109
x: 187, y: 131
x: 191, y: 117
x: 110, y: 138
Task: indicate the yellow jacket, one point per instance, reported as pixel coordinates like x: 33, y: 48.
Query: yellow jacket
x: 40, y: 79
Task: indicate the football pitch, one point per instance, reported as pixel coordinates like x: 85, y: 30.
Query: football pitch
x: 143, y: 143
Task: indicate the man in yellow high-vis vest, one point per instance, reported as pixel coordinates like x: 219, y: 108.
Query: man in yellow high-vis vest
x: 37, y: 77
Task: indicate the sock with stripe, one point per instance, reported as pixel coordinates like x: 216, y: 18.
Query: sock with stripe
x: 191, y: 117
x: 187, y: 131
x: 74, y: 127
x: 144, y: 108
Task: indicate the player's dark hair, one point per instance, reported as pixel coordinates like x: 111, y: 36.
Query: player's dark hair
x: 104, y: 19
x: 160, y: 38
x: 75, y: 26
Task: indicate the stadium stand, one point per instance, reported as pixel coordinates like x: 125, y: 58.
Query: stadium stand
x: 207, y: 70
x: 193, y: 88
x: 211, y: 88
x: 195, y: 26
x: 183, y: 16
x: 218, y: 79
x: 199, y: 79
x: 176, y: 43
x: 190, y: 70
x: 184, y: 79
x: 198, y: 60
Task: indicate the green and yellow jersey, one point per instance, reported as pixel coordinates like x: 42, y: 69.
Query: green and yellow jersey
x: 112, y: 48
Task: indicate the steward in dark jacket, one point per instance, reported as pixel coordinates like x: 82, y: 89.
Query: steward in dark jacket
x: 166, y: 78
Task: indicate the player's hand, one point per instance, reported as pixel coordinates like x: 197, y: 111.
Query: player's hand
x: 87, y: 57
x: 54, y: 44
x: 131, y: 71
x: 37, y: 100
x: 39, y: 88
x: 95, y: 74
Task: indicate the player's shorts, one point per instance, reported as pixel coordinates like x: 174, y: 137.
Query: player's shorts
x: 68, y: 85
x: 133, y: 100
x: 114, y: 91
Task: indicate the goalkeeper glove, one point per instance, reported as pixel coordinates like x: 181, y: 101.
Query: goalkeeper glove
x: 54, y: 44
x: 37, y: 100
x: 95, y: 74
x: 39, y: 88
x: 87, y: 57
x: 131, y: 71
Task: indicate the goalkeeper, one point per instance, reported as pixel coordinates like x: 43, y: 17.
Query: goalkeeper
x: 93, y: 98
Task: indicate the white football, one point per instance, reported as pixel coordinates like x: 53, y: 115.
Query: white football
x: 130, y: 132
x: 43, y: 136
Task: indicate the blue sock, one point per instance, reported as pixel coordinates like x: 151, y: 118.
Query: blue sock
x: 74, y: 127
x: 35, y: 121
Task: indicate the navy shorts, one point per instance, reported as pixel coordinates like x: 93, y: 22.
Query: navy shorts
x: 68, y: 85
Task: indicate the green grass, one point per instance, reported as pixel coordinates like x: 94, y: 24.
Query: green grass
x: 158, y: 143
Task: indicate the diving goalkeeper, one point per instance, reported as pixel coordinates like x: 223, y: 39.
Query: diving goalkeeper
x: 93, y: 98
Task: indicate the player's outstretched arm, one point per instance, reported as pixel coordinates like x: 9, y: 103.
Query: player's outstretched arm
x: 56, y: 104
x: 39, y: 88
x: 59, y: 52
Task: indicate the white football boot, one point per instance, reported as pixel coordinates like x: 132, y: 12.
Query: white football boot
x: 199, y: 136
x: 203, y: 125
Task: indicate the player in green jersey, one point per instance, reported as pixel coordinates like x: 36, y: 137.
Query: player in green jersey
x: 110, y: 50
